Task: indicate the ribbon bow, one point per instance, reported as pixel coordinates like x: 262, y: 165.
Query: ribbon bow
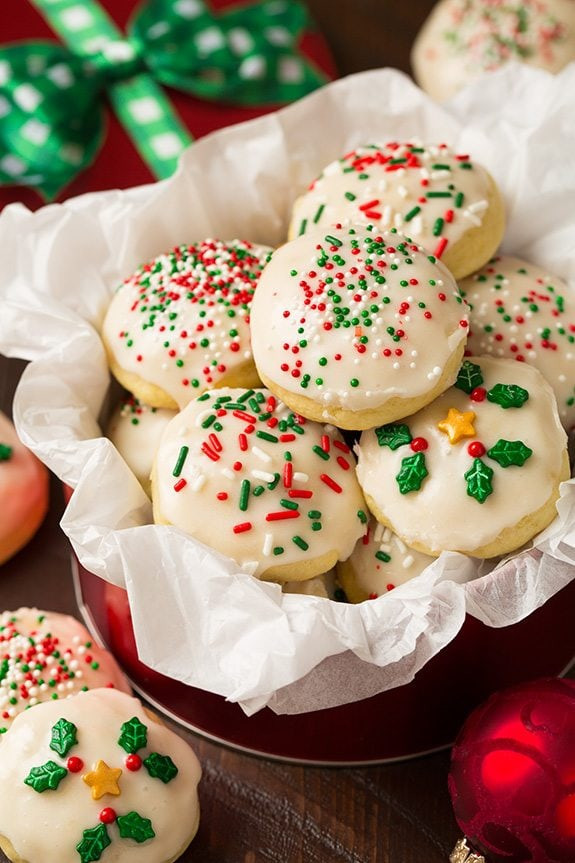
x: 52, y: 96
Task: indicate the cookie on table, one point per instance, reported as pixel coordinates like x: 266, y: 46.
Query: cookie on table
x: 380, y: 561
x: 357, y: 327
x: 476, y: 471
x: 135, y: 430
x: 521, y: 311
x: 444, y: 200
x: 463, y: 39
x: 46, y: 656
x: 24, y: 492
x: 243, y: 474
x: 180, y: 324
x: 96, y: 777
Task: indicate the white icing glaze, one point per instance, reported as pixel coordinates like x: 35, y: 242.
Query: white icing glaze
x: 462, y: 39
x: 135, y: 430
x: 520, y: 311
x: 181, y: 322
x: 441, y: 515
x: 315, y: 337
x: 46, y: 827
x: 23, y: 487
x: 217, y: 474
x: 30, y: 638
x: 369, y: 186
x: 382, y: 561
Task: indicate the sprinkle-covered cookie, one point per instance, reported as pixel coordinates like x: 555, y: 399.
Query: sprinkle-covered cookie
x: 380, y: 562
x: 96, y: 777
x: 520, y: 311
x: 476, y: 471
x: 180, y: 324
x: 463, y: 39
x: 46, y: 656
x: 243, y: 474
x: 135, y: 430
x: 443, y: 199
x: 357, y: 327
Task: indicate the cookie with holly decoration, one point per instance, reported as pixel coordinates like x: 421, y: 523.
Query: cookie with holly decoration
x: 46, y: 656
x: 180, y: 324
x: 96, y: 778
x: 477, y: 471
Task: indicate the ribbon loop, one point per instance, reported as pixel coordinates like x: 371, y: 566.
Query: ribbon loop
x: 118, y: 60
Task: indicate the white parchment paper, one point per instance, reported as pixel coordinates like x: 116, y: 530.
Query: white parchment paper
x: 198, y: 618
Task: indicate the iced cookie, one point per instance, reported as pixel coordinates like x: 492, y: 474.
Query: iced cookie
x: 180, y: 324
x: 96, y: 777
x: 241, y: 473
x: 521, y: 311
x: 476, y: 471
x: 444, y: 200
x: 357, y: 328
x: 46, y: 656
x: 463, y: 39
x: 135, y: 430
x: 380, y: 561
x: 24, y: 491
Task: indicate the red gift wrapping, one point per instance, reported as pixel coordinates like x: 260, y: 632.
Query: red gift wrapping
x: 118, y: 164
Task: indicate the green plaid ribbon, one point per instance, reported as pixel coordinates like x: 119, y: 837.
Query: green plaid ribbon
x: 52, y: 96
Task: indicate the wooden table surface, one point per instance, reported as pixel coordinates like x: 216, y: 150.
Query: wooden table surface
x: 255, y: 809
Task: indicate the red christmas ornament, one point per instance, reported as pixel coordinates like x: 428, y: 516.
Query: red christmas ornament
x: 512, y: 779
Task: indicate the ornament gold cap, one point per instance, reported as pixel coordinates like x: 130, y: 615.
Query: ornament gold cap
x: 462, y: 853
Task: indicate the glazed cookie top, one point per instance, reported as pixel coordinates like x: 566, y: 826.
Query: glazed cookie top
x: 380, y: 562
x: 95, y: 776
x: 46, y: 656
x: 483, y: 456
x: 135, y: 430
x: 463, y: 38
x: 427, y: 191
x: 181, y: 321
x: 353, y: 318
x: 23, y: 479
x: 243, y: 474
x: 520, y: 311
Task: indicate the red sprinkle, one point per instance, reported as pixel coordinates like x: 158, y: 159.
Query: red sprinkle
x: 237, y: 465
x: 288, y: 474
x: 222, y: 495
x: 243, y: 527
x: 342, y: 446
x: 325, y: 442
x: 331, y: 483
x: 300, y: 492
x: 181, y: 483
x: 440, y: 248
x: 74, y: 764
x: 479, y: 394
x: 243, y: 442
x: 419, y: 444
x: 343, y: 463
x: 286, y: 438
x: 476, y: 449
x: 281, y: 516
x: 107, y: 815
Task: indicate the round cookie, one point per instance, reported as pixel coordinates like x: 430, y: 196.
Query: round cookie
x: 357, y: 328
x: 24, y: 492
x: 180, y: 324
x: 320, y: 585
x: 135, y: 430
x: 46, y: 656
x: 380, y: 561
x: 446, y: 202
x: 93, y: 777
x: 520, y: 311
x: 463, y: 39
x: 477, y: 471
x: 244, y: 475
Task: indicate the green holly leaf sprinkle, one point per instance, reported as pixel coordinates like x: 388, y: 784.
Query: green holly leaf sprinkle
x: 47, y: 777
x: 508, y: 396
x: 63, y: 737
x: 134, y: 735
x: 413, y: 472
x: 469, y: 377
x: 133, y: 826
x: 5, y: 452
x: 510, y: 452
x: 393, y: 435
x: 94, y: 841
x: 160, y: 767
x: 478, y: 479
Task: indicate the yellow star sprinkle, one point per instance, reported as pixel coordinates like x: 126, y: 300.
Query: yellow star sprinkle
x: 103, y: 780
x: 457, y: 425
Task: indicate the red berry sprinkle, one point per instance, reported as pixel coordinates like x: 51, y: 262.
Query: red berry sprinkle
x: 74, y: 764
x: 479, y: 394
x: 107, y: 815
x: 419, y: 444
x: 133, y: 762
x: 476, y: 449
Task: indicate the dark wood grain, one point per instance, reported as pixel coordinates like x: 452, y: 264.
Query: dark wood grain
x: 252, y: 809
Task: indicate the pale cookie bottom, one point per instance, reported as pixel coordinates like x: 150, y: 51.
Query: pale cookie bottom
x: 11, y: 545
x: 509, y: 539
x: 395, y: 408
x: 347, y: 579
x: 244, y: 376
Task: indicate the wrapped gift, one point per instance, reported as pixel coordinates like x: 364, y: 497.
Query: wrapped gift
x: 107, y: 93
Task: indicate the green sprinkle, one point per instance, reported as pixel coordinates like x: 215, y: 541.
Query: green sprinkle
x: 289, y: 504
x: 438, y: 195
x: 301, y: 543
x: 259, y: 489
x: 438, y: 227
x: 180, y: 462
x: 350, y: 196
x: 245, y: 396
x: 412, y: 213
x: 316, y: 525
x: 334, y: 241
x: 266, y: 436
x: 354, y: 382
x: 320, y: 210
x: 208, y: 421
x: 459, y: 199
x: 302, y: 227
x: 321, y: 453
x: 314, y: 513
x: 278, y: 550
x: 244, y: 494
x: 381, y: 555
x: 362, y: 516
